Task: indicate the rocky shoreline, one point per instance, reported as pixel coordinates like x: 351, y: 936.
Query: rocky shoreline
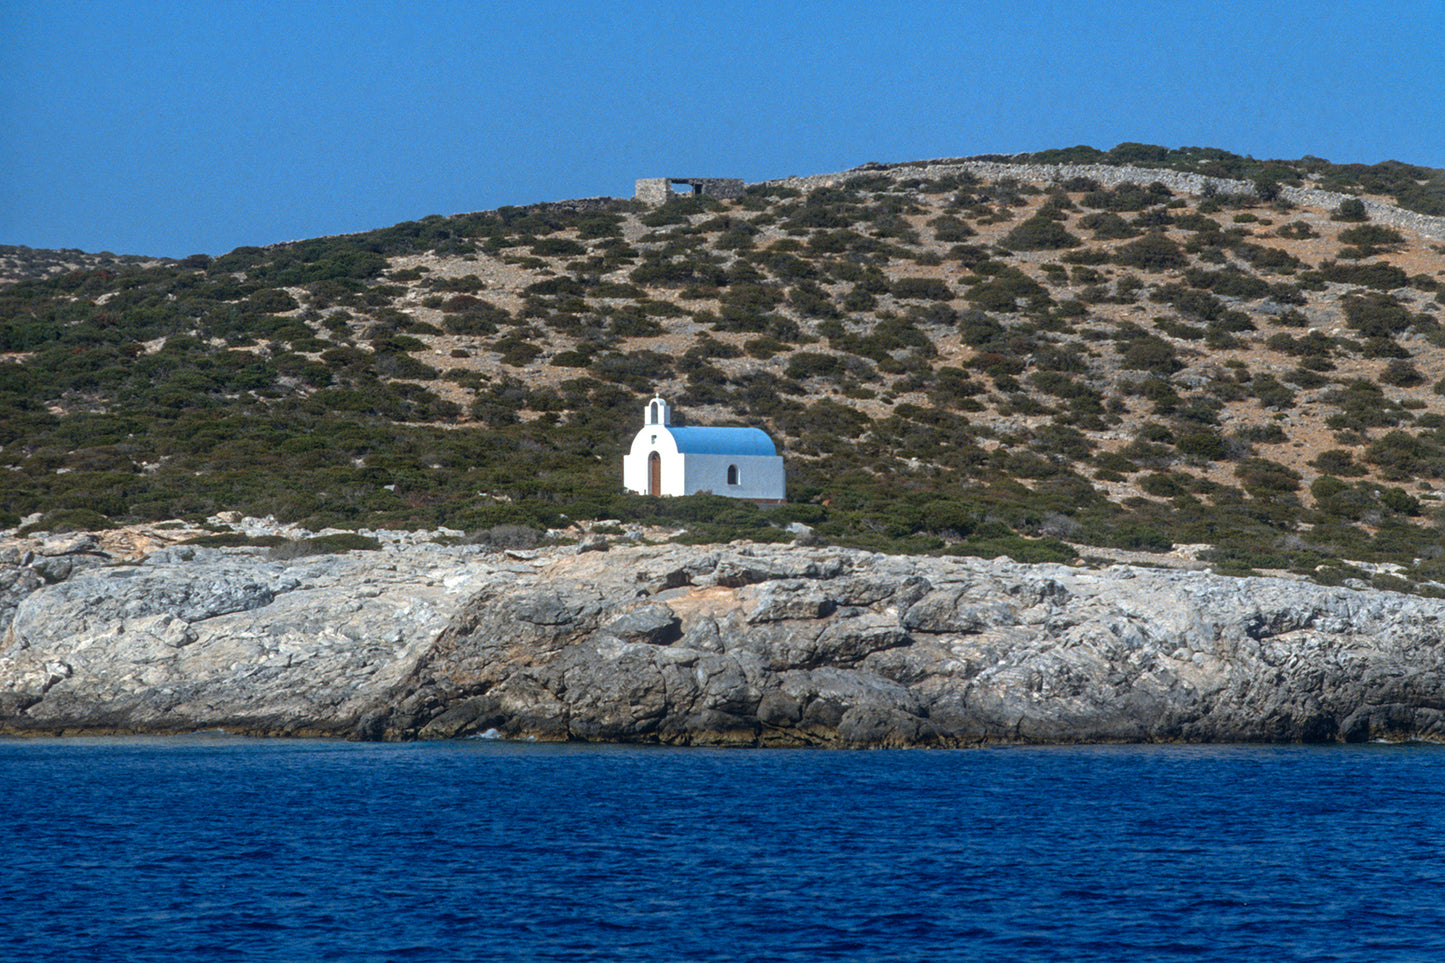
x: 743, y: 645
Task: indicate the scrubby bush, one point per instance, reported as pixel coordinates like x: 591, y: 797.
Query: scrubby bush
x: 1337, y: 461
x: 1271, y: 393
x: 921, y: 289
x: 811, y: 364
x: 1127, y: 197
x: 1161, y: 485
x: 1400, y: 456
x: 1151, y: 354
x: 1350, y: 209
x: 1297, y: 231
x: 324, y: 545
x: 1401, y: 374
x: 1039, y: 234
x: 1264, y: 477
x: 1271, y: 260
x: 1107, y: 225
x: 1153, y: 252
x: 69, y: 520
x: 1375, y: 315
x: 1202, y: 444
x: 949, y: 229
x: 1371, y: 237
x: 1376, y: 274
x: 1266, y: 434
x: 557, y: 247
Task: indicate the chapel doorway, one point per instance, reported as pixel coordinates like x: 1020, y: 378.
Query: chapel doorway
x: 654, y: 474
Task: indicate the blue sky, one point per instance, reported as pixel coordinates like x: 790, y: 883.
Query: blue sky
x: 172, y: 128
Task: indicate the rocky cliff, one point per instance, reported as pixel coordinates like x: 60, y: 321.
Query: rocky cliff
x: 743, y: 645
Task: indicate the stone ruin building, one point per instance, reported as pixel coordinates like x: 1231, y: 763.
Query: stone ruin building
x: 657, y: 190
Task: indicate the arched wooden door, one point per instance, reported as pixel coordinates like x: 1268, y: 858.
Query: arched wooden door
x: 654, y: 474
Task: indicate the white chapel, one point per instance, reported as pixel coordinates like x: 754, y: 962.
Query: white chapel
x: 675, y: 460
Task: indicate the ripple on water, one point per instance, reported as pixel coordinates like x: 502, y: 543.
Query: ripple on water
x: 219, y: 849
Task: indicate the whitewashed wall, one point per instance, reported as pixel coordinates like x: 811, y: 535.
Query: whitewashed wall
x: 759, y: 476
x: 634, y: 465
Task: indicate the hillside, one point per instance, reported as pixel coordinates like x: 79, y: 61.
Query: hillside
x: 996, y: 355
x: 19, y: 263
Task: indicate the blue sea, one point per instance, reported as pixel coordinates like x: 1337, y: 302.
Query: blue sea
x: 211, y: 848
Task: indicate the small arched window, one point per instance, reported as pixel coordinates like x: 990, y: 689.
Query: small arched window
x: 654, y: 413
x: 732, y: 474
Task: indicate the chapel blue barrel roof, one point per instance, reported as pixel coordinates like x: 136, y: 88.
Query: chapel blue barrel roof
x: 722, y: 441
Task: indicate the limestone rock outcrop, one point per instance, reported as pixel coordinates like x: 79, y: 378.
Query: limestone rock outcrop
x: 194, y: 638
x: 742, y: 645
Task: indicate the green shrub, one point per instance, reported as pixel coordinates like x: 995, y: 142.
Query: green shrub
x: 1375, y: 315
x: 1401, y: 456
x: 1297, y: 231
x: 1114, y: 461
x: 949, y: 229
x: 1400, y: 501
x: 236, y: 540
x: 557, y: 247
x: 272, y: 301
x: 478, y: 319
x: 1386, y: 582
x: 1377, y: 274
x: 812, y: 301
x: 1337, y: 461
x: 1401, y: 374
x: 1136, y: 537
x: 1127, y: 197
x: 69, y: 520
x: 1039, y: 234
x: 1161, y: 485
x: 1272, y: 260
x: 1350, y: 209
x: 1271, y: 393
x: 921, y: 289
x: 600, y: 225
x: 1153, y: 252
x: 1267, y: 434
x: 858, y: 300
x: 1151, y: 354
x: 1326, y: 486
x: 978, y: 329
x: 325, y: 545
x: 1202, y: 444
x: 1371, y: 237
x: 811, y: 364
x: 763, y: 348
x: 1107, y: 225
x: 1262, y: 476
x: 1028, y: 551
x: 1362, y: 404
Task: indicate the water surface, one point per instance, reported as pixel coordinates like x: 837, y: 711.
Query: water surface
x: 212, y: 848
